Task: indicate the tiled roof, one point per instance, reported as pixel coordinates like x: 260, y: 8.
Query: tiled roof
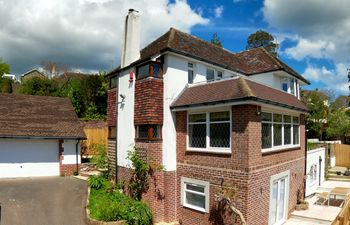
x: 38, y: 116
x: 235, y: 90
x: 249, y: 62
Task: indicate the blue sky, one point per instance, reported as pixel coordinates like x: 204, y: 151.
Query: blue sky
x: 86, y: 35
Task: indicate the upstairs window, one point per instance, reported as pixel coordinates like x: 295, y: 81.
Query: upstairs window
x: 210, y: 130
x: 278, y: 131
x: 190, y: 73
x: 151, y: 69
x: 149, y: 132
x: 210, y: 74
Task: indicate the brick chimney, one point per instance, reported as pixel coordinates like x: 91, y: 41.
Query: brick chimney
x: 131, y: 39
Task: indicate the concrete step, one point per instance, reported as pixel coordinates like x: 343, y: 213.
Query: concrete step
x: 339, y: 179
x: 312, y: 220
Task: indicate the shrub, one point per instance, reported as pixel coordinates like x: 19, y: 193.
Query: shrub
x: 99, y: 182
x: 113, y: 206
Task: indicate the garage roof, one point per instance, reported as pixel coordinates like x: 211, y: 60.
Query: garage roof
x: 28, y: 116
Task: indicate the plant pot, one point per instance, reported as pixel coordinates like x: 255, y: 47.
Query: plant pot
x: 347, y: 173
x: 338, y: 173
x: 302, y: 206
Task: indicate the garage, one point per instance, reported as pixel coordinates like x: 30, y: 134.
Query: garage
x: 23, y: 158
x: 39, y: 136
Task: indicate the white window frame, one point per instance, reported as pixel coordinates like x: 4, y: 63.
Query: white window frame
x: 283, y: 146
x: 194, y: 182
x: 209, y: 149
x: 279, y: 176
x: 193, y: 71
x: 216, y: 76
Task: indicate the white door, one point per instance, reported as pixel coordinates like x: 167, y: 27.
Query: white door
x: 279, y: 200
x: 28, y: 158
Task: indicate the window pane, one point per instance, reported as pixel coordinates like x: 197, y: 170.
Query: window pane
x: 156, y: 131
x: 197, y: 135
x: 285, y: 87
x: 190, y: 65
x: 156, y: 70
x: 266, y: 116
x: 273, y: 203
x: 220, y: 135
x: 277, y: 134
x: 195, y: 188
x: 210, y: 74
x: 295, y: 120
x: 282, y: 193
x: 113, y: 82
x: 195, y: 200
x: 198, y: 118
x: 287, y: 119
x: 190, y: 76
x: 142, y: 71
x: 277, y: 118
x: 292, y: 86
x: 219, y: 116
x: 142, y: 131
x: 287, y: 134
x: 295, y: 134
x: 219, y: 74
x: 266, y: 135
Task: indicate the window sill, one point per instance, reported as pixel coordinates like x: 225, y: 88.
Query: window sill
x: 210, y: 150
x: 280, y: 149
x: 195, y: 208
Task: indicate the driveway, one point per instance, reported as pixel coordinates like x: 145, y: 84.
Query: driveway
x: 43, y: 201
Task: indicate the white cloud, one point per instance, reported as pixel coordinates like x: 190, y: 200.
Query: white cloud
x: 335, y: 79
x: 84, y: 34
x: 218, y: 11
x: 322, y: 28
x: 314, y: 49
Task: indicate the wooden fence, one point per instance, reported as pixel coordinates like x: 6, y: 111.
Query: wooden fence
x: 96, y: 133
x: 342, y: 155
x: 343, y: 217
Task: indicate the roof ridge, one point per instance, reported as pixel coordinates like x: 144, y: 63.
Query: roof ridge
x: 245, y: 88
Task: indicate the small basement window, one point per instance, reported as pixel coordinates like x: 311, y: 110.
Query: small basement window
x: 148, y: 132
x: 195, y: 194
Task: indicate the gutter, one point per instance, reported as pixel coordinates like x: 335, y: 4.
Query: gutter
x: 239, y: 101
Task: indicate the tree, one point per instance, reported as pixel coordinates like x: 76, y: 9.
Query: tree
x: 338, y: 124
x: 4, y: 67
x: 216, y: 40
x: 39, y: 86
x: 317, y: 102
x: 340, y: 102
x: 262, y: 39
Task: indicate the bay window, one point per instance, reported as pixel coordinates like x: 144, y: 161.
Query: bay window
x: 209, y: 130
x: 278, y: 131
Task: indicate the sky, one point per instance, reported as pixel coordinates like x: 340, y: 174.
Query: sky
x: 86, y: 34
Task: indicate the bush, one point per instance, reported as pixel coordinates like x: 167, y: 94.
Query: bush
x: 99, y: 182
x: 113, y: 206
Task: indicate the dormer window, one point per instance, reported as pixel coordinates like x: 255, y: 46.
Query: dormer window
x: 150, y: 69
x: 290, y: 85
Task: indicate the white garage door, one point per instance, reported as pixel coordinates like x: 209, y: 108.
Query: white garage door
x: 28, y: 158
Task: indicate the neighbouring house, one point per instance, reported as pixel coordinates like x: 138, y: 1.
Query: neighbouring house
x: 39, y: 136
x: 32, y: 73
x: 214, y: 119
x: 10, y: 76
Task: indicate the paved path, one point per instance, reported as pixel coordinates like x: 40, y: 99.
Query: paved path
x: 43, y: 201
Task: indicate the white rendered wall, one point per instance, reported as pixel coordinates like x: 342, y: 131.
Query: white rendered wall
x: 313, y: 159
x: 268, y: 79
x: 28, y: 158
x: 125, y: 117
x: 69, y: 156
x: 175, y: 80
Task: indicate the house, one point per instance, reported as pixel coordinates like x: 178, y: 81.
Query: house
x: 214, y: 120
x: 10, y: 76
x: 32, y: 73
x: 39, y: 136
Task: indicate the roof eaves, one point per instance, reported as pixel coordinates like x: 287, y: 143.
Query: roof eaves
x: 44, y: 137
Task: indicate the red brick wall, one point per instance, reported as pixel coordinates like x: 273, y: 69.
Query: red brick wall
x: 149, y: 101
x: 69, y: 169
x: 111, y: 106
x: 246, y: 169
